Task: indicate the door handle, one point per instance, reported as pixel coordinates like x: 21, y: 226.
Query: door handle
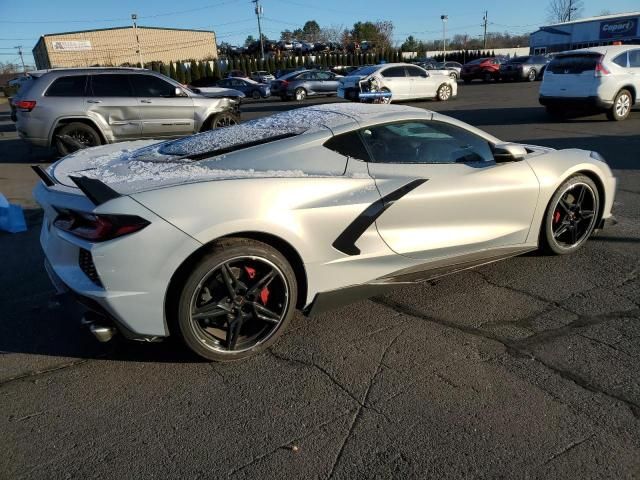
x: 145, y: 101
x: 94, y: 101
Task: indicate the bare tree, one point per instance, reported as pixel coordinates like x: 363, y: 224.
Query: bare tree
x: 559, y: 11
x: 331, y: 34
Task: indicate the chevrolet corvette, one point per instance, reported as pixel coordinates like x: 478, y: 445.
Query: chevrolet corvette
x: 218, y: 238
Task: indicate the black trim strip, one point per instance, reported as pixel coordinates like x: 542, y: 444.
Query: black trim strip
x: 95, y: 190
x: 346, y: 241
x: 44, y: 176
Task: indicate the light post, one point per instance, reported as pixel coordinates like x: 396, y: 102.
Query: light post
x: 259, y: 11
x: 134, y: 17
x: 444, y: 19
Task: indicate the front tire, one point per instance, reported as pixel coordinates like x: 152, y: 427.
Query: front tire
x: 571, y: 216
x: 237, y: 300
x: 444, y: 92
x: 224, y: 119
x: 300, y: 94
x: 621, y: 106
x: 74, y: 133
x: 532, y: 75
x: 256, y: 95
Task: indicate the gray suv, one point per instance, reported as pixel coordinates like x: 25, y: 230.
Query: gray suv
x: 77, y: 108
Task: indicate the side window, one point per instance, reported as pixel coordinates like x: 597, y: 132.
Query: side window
x: 150, y: 86
x: 224, y: 83
x: 68, y: 87
x: 634, y: 58
x: 323, y: 76
x: 425, y: 142
x: 110, y: 85
x: 305, y: 76
x: 349, y: 145
x: 621, y: 60
x: 416, y: 72
x: 394, y: 72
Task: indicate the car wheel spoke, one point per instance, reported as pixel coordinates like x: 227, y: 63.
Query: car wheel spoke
x: 586, y: 214
x: 233, y: 329
x: 263, y: 313
x: 263, y: 282
x: 228, y: 277
x: 566, y: 206
x: 581, y: 196
x: 563, y: 228
x: 210, y: 311
x: 574, y: 234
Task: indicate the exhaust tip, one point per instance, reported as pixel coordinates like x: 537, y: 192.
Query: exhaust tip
x: 102, y: 333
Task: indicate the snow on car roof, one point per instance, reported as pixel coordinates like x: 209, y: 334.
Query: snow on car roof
x: 296, y: 121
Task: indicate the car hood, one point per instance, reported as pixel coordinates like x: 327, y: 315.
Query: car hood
x: 216, y: 92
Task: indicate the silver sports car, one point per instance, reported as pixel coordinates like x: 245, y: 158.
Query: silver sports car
x: 218, y: 237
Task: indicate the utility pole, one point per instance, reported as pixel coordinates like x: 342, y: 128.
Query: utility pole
x: 259, y: 12
x: 19, y: 47
x: 134, y: 17
x: 444, y: 19
x: 485, y: 20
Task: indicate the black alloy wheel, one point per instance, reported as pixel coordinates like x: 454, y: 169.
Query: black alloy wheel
x: 571, y: 216
x: 237, y: 301
x: 75, y: 136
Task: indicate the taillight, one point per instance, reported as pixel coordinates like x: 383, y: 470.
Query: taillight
x: 98, y: 227
x: 285, y: 83
x: 601, y: 70
x: 27, y: 105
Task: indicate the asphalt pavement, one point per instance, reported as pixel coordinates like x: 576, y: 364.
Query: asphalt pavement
x: 526, y: 368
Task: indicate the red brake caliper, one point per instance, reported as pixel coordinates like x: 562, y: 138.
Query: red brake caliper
x: 264, y: 293
x: 556, y: 216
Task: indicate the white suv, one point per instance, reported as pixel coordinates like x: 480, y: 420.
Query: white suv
x: 605, y: 78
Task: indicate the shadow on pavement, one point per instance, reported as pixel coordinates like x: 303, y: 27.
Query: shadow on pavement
x: 36, y: 321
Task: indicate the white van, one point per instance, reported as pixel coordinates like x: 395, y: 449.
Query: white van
x: 604, y: 78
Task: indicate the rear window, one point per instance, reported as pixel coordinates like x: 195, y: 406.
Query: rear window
x: 577, y: 63
x: 72, y: 86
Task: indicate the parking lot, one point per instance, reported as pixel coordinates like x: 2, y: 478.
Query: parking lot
x: 522, y: 368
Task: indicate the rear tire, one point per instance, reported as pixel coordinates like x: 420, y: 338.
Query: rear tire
x: 571, y: 216
x: 205, y: 290
x: 532, y: 75
x: 256, y: 95
x: 80, y: 132
x: 621, y: 106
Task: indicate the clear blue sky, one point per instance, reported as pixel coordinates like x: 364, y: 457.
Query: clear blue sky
x: 22, y: 22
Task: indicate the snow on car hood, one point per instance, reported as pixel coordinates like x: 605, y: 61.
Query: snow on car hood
x: 134, y: 166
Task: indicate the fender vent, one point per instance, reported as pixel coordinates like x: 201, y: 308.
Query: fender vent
x: 87, y: 266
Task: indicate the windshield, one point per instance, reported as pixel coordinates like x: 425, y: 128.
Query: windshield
x: 476, y: 62
x: 364, y: 71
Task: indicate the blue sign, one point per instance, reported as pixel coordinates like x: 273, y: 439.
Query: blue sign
x: 619, y: 28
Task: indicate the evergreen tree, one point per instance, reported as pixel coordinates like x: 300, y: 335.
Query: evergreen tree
x: 180, y: 72
x: 187, y: 75
x: 194, y: 71
x: 165, y: 70
x: 172, y: 71
x: 208, y: 71
x: 283, y: 63
x: 202, y: 68
x: 216, y: 75
x: 272, y: 65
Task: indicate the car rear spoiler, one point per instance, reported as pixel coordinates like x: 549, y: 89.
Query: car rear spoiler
x: 95, y: 190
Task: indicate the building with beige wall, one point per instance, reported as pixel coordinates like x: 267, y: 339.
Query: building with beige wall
x: 118, y: 46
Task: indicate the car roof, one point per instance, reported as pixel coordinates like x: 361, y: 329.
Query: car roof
x: 603, y: 50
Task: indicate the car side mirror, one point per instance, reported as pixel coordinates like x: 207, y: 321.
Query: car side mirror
x: 178, y: 92
x: 509, y: 152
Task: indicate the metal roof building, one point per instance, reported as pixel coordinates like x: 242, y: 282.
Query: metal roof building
x: 119, y: 45
x: 586, y: 32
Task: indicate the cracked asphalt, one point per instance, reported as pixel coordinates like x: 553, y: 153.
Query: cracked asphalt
x: 526, y: 368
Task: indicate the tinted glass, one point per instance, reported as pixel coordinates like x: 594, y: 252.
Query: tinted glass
x: 621, y: 60
x: 415, y: 72
x: 394, y: 72
x: 150, y: 86
x: 324, y: 76
x: 577, y: 63
x: 364, y: 71
x: 68, y: 87
x: 349, y: 145
x: 107, y: 85
x: 305, y: 76
x: 634, y: 58
x: 425, y: 142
